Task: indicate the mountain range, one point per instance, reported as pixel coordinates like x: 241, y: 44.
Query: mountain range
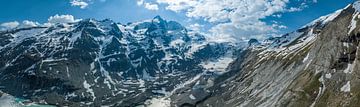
x: 156, y: 63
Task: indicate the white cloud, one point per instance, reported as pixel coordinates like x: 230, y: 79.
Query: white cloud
x: 302, y: 6
x: 140, y: 2
x: 151, y: 6
x: 27, y: 23
x: 10, y: 25
x: 196, y: 27
x: 62, y: 19
x: 16, y: 24
x: 277, y: 15
x: 179, y: 5
x: 239, y: 19
x: 82, y: 4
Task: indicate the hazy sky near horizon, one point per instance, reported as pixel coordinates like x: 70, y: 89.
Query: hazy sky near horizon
x: 240, y: 19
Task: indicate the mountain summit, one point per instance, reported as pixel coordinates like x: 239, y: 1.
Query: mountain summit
x: 95, y: 63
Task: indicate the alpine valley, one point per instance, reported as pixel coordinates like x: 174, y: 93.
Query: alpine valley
x: 160, y: 63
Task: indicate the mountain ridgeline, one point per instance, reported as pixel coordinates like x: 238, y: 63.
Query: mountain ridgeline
x: 315, y: 66
x: 97, y: 63
x: 156, y: 63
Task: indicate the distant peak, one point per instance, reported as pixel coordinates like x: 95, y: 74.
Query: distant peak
x: 252, y: 42
x: 107, y: 20
x: 88, y: 20
x: 87, y: 23
x: 158, y: 19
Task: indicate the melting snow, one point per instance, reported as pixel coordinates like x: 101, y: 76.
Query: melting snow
x: 346, y: 87
x: 158, y: 102
x: 321, y: 90
x: 192, y: 97
x: 306, y: 58
x: 146, y: 75
x: 194, y: 48
x: 70, y: 96
x: 165, y: 101
x: 284, y: 48
x: 67, y: 71
x: 219, y: 65
x: 8, y: 101
x: 326, y: 19
x: 328, y: 75
x: 356, y: 6
x: 141, y: 83
x: 177, y: 42
x: 92, y: 66
x: 346, y: 44
x: 156, y: 20
x: 352, y: 26
x: 332, y: 17
x: 88, y: 89
x: 348, y: 68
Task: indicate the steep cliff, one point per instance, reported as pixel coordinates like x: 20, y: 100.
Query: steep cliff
x: 317, y: 65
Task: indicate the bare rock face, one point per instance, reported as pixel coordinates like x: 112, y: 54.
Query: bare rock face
x: 96, y: 63
x: 317, y: 66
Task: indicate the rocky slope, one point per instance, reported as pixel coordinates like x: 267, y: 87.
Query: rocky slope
x: 95, y: 63
x: 315, y: 66
x: 160, y: 63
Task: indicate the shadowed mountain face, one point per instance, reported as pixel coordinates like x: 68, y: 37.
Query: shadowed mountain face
x: 315, y: 66
x: 104, y: 63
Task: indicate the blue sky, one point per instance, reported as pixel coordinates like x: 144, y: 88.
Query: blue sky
x: 295, y: 20
x: 129, y: 11
x: 118, y: 10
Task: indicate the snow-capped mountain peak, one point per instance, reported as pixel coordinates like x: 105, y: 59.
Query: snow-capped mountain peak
x: 93, y: 62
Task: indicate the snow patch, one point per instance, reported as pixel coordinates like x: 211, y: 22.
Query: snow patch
x: 348, y: 68
x: 158, y: 102
x: 88, y: 89
x: 67, y: 71
x: 332, y: 17
x: 177, y: 42
x: 92, y: 66
x: 346, y: 44
x: 194, y: 48
x: 321, y: 90
x: 219, y: 65
x: 306, y: 58
x: 325, y: 19
x: 328, y: 75
x: 346, y: 87
x: 165, y: 101
x: 146, y: 75
x: 352, y: 26
x: 8, y: 101
x: 141, y: 83
x: 356, y: 6
x: 192, y: 97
